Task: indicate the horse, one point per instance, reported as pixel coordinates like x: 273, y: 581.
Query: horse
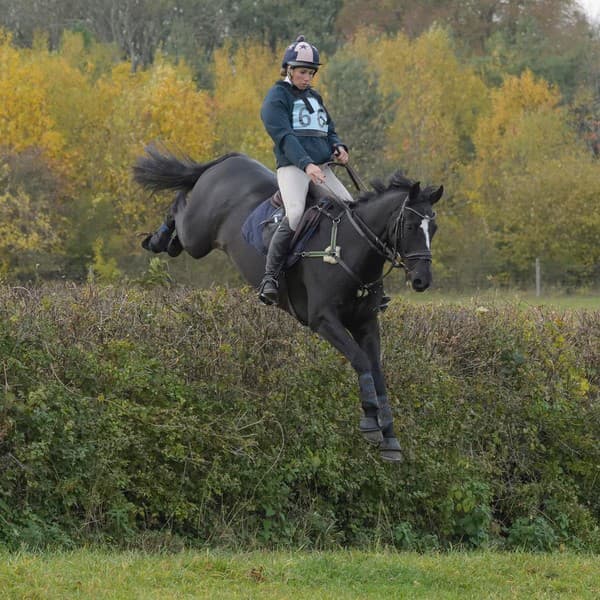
x: 337, y: 294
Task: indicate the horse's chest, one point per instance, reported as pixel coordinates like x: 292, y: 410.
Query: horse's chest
x: 357, y: 308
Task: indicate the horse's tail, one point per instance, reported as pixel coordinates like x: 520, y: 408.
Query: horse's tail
x: 161, y: 170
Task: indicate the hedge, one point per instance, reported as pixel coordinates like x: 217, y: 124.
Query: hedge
x: 169, y: 417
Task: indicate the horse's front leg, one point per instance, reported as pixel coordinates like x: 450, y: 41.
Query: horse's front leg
x: 367, y: 335
x: 328, y: 325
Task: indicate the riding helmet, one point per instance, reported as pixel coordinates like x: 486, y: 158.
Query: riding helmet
x: 301, y: 54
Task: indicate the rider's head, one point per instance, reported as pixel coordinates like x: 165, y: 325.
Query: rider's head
x: 300, y: 54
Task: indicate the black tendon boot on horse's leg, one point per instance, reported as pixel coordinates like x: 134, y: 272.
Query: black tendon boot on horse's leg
x: 389, y: 447
x: 369, y: 425
x: 159, y: 240
x: 278, y: 251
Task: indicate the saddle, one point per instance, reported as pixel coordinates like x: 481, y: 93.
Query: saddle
x: 261, y: 223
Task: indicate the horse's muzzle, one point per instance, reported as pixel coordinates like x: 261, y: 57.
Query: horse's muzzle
x: 420, y: 276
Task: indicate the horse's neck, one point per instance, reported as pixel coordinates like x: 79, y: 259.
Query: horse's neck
x: 377, y: 212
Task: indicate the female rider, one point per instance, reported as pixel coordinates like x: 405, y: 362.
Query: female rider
x: 304, y: 139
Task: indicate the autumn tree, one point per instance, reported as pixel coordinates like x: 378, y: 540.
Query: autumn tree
x: 437, y: 102
x: 532, y: 184
x: 31, y: 149
x: 242, y: 78
x: 25, y: 120
x: 361, y: 111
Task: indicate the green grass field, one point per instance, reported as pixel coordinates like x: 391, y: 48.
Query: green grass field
x: 298, y: 575
x: 582, y: 301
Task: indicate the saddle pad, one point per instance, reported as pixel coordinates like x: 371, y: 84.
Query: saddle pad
x: 259, y: 226
x: 252, y: 229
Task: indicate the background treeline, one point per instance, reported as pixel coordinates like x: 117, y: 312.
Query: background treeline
x: 497, y: 100
x: 153, y: 418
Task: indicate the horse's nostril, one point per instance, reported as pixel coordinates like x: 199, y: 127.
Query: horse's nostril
x: 419, y: 285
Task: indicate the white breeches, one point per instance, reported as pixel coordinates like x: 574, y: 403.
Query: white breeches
x: 293, y: 184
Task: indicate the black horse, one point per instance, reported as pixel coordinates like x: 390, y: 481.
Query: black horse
x: 338, y: 294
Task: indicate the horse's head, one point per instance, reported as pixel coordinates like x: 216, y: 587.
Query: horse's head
x: 414, y: 228
x: 408, y: 221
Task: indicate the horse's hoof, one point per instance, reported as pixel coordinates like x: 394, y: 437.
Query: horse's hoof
x: 373, y: 437
x: 174, y: 248
x: 390, y: 450
x: 370, y: 430
x: 157, y: 242
x: 146, y: 243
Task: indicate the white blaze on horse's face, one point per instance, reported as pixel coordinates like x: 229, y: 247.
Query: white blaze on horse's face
x: 425, y: 227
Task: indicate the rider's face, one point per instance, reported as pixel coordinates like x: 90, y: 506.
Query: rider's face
x: 301, y: 77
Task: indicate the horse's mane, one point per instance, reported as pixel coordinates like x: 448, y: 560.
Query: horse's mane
x: 396, y: 181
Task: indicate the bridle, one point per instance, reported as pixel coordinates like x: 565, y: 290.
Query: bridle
x: 394, y: 253
x: 398, y: 230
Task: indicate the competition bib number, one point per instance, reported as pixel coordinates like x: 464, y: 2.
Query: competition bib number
x: 303, y: 121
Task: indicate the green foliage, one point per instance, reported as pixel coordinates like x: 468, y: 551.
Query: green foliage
x: 102, y: 270
x: 362, y: 113
x: 532, y: 534
x: 157, y: 274
x: 142, y: 417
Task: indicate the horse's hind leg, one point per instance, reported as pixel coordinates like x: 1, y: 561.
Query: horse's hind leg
x: 165, y: 239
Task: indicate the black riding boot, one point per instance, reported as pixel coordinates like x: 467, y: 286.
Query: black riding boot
x: 278, y: 250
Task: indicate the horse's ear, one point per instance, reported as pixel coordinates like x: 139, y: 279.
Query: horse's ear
x: 435, y: 196
x: 414, y: 191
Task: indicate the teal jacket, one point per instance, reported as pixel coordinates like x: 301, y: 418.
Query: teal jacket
x: 299, y: 125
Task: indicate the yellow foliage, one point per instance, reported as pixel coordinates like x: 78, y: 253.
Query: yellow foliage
x: 93, y: 122
x: 511, y: 104
x: 242, y: 80
x: 91, y: 118
x: 175, y: 112
x: 24, y: 226
x: 525, y: 127
x: 102, y: 269
x: 438, y: 100
x: 25, y: 119
x: 163, y: 104
x: 533, y: 183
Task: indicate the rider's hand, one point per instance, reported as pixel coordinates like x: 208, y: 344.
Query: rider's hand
x: 341, y: 155
x: 315, y: 173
